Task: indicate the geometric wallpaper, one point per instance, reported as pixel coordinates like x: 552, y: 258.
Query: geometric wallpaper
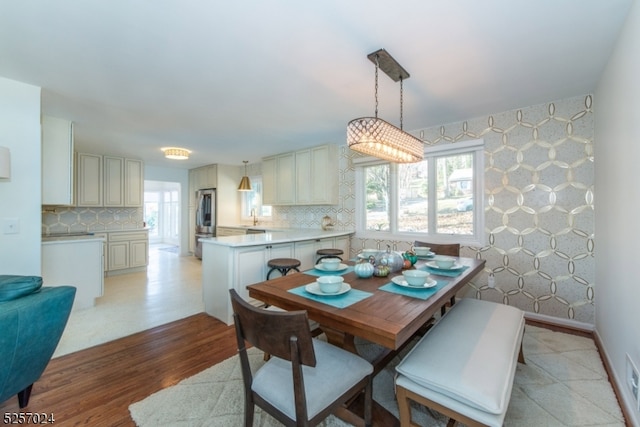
x: 539, y: 217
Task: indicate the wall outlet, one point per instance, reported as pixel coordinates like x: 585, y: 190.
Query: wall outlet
x: 633, y: 380
x: 491, y: 280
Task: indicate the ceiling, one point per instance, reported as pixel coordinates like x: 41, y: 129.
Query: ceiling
x: 235, y: 81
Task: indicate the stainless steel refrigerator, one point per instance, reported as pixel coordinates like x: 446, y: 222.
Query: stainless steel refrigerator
x: 205, y: 217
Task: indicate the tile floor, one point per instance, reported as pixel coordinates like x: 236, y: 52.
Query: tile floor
x: 169, y: 290
x: 563, y: 383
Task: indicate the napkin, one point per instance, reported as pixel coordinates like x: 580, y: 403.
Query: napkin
x: 339, y: 301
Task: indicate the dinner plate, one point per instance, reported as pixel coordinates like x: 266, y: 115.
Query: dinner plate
x: 341, y: 267
x: 455, y: 266
x: 429, y: 255
x: 402, y: 281
x: 314, y: 288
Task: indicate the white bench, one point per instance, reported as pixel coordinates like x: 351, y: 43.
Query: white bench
x: 464, y: 365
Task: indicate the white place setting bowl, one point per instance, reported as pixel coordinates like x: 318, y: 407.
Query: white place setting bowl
x: 415, y: 277
x: 444, y: 261
x: 330, y: 284
x: 330, y: 264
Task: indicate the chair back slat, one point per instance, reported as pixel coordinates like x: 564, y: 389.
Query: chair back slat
x: 451, y: 249
x: 271, y: 331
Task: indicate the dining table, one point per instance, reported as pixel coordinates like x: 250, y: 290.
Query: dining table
x: 381, y: 310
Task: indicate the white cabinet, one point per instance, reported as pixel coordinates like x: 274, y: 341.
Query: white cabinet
x: 225, y: 267
x: 58, y: 169
x: 127, y: 250
x: 304, y: 177
x: 205, y: 177
x: 133, y: 183
x: 113, y: 192
x: 89, y: 180
x: 123, y: 182
x: 109, y: 181
x: 317, y: 176
x: 278, y: 179
x: 77, y: 263
x: 305, y: 251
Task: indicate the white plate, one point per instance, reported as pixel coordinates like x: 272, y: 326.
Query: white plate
x: 314, y: 288
x: 455, y: 266
x: 429, y: 255
x: 323, y: 268
x: 402, y: 281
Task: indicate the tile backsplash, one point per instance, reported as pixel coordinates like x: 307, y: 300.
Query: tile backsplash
x: 77, y: 219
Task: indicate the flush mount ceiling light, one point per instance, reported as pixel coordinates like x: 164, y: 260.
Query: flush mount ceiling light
x: 378, y: 138
x: 176, y: 153
x: 245, y: 184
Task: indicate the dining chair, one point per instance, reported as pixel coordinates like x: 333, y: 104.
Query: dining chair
x: 306, y: 379
x: 450, y: 249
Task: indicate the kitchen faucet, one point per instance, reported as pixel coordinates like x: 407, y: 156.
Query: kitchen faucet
x: 253, y: 214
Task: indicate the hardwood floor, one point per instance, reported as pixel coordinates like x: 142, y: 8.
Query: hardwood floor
x: 96, y: 386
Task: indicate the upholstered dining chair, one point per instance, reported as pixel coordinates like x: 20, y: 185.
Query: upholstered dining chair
x: 306, y: 379
x: 450, y: 249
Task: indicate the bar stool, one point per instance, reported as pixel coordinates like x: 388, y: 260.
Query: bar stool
x: 283, y: 265
x: 328, y: 253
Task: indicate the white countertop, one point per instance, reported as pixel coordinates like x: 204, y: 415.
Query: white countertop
x: 46, y: 240
x: 273, y: 235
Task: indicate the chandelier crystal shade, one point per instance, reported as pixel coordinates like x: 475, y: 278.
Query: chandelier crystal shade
x: 376, y: 137
x: 175, y: 153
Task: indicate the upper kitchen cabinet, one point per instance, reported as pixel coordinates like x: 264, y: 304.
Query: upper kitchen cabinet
x: 89, y: 180
x: 123, y: 182
x: 304, y: 177
x: 57, y: 162
x: 109, y: 181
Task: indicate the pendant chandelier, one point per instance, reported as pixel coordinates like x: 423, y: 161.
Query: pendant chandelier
x: 245, y: 183
x: 377, y: 137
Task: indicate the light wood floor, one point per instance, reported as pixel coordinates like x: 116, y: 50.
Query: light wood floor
x: 96, y: 386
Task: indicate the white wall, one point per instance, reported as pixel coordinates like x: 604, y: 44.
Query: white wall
x: 617, y: 153
x: 20, y: 195
x: 181, y: 176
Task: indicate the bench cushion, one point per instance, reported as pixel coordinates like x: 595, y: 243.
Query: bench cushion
x: 469, y: 357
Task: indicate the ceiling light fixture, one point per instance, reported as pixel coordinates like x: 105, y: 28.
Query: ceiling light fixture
x: 176, y: 153
x: 378, y: 138
x: 245, y: 184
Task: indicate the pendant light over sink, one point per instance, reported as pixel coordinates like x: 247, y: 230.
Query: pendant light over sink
x: 245, y: 183
x: 378, y: 138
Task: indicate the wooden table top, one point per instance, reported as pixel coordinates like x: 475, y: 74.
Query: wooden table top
x: 384, y: 318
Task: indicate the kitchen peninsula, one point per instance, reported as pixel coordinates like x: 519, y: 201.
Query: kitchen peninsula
x: 233, y: 262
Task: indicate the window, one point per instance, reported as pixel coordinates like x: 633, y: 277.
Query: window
x: 253, y: 200
x: 439, y: 199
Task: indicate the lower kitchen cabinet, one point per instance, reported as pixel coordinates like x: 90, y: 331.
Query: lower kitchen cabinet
x: 77, y: 263
x: 127, y: 252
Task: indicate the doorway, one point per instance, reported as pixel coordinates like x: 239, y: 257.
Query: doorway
x: 162, y: 214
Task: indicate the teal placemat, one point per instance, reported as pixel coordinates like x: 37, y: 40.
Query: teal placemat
x: 448, y: 273
x: 422, y: 293
x: 339, y: 301
x: 316, y: 272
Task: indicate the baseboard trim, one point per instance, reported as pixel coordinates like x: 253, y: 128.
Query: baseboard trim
x: 615, y: 381
x: 587, y: 330
x: 568, y: 324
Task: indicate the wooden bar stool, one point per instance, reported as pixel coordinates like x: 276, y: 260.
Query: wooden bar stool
x: 328, y: 253
x: 283, y: 265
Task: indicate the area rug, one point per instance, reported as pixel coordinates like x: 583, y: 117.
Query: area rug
x: 215, y: 397
x: 563, y: 383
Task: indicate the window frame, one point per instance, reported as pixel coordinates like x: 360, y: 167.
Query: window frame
x: 431, y: 153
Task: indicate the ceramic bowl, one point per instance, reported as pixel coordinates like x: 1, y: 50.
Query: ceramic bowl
x: 330, y: 284
x: 421, y: 251
x: 415, y: 277
x: 444, y: 261
x: 330, y: 263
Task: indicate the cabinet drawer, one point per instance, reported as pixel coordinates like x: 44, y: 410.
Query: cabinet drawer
x: 129, y: 236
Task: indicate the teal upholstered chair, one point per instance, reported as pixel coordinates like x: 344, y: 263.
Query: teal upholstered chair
x: 32, y: 319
